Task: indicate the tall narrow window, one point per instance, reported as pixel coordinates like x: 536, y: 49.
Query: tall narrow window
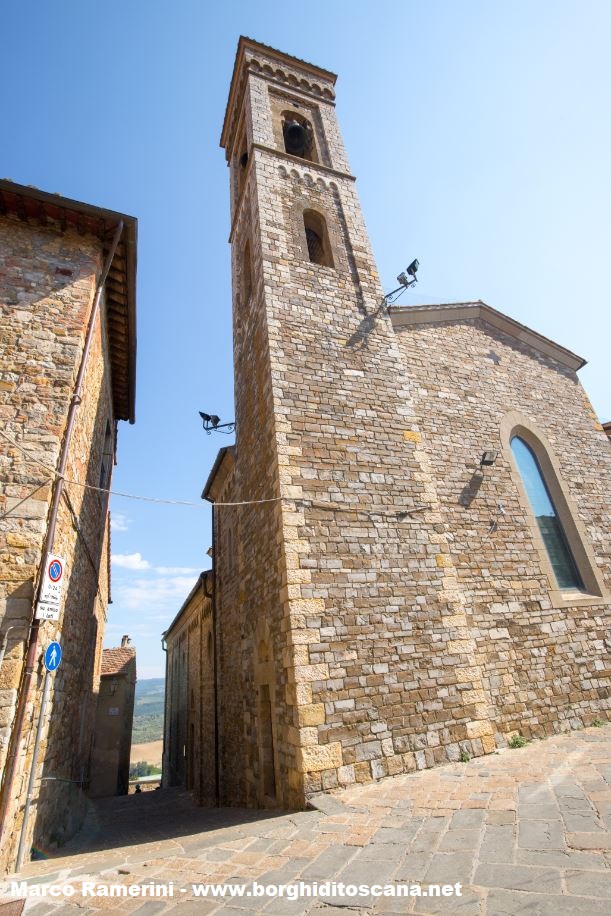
x: 107, y: 457
x: 266, y: 742
x: 549, y: 524
x: 241, y: 161
x: 246, y: 273
x: 317, y: 238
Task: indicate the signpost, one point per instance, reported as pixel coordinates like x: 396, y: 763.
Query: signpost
x: 53, y: 657
x: 49, y: 599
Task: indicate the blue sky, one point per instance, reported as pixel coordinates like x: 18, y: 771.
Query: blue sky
x: 480, y: 135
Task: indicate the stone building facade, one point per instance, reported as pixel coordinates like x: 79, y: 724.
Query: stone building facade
x: 67, y: 378
x: 387, y: 594
x: 189, y: 754
x: 113, y: 725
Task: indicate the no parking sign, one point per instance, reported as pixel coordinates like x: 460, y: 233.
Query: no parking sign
x: 49, y: 600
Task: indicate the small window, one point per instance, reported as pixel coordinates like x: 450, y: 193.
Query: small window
x: 317, y: 238
x: 241, y: 161
x: 549, y: 524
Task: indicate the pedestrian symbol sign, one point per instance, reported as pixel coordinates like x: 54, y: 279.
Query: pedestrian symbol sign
x: 53, y: 656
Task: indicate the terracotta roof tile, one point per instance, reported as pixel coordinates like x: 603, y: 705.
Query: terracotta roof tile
x: 116, y: 661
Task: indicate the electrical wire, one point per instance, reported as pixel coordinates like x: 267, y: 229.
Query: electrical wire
x: 27, y: 454
x: 304, y: 501
x: 171, y: 502
x: 25, y: 498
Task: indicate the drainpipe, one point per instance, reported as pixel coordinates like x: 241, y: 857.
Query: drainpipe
x: 24, y: 695
x: 164, y: 646
x: 202, y: 679
x: 215, y: 655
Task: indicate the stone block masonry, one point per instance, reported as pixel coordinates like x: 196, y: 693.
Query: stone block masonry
x: 390, y: 618
x: 190, y: 702
x: 49, y: 270
x: 546, y: 664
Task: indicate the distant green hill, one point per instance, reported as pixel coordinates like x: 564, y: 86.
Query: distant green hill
x: 152, y: 686
x: 148, y: 710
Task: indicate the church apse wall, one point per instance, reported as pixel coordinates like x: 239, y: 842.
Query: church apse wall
x: 542, y: 643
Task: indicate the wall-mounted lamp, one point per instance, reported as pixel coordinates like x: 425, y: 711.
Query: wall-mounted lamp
x: 488, y: 458
x: 404, y: 281
x: 212, y: 424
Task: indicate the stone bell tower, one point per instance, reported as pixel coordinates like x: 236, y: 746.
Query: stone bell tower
x: 343, y: 646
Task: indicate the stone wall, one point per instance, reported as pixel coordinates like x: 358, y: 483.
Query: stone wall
x: 545, y: 658
x: 47, y: 283
x: 110, y: 757
x: 189, y: 726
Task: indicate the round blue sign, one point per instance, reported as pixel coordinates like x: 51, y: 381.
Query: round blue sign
x: 53, y: 656
x: 55, y: 571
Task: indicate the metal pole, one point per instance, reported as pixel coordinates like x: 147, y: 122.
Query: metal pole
x: 32, y: 779
x: 216, y: 652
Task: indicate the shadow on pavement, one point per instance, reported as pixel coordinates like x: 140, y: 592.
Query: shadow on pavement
x: 152, y: 817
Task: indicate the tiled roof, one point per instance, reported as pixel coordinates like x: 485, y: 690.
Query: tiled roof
x: 116, y: 661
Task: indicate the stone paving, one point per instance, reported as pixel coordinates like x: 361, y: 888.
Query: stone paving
x: 525, y: 831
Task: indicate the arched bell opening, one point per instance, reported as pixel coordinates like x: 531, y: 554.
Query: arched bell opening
x: 298, y: 136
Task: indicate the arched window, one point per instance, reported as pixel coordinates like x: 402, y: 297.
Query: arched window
x: 317, y: 238
x: 548, y: 521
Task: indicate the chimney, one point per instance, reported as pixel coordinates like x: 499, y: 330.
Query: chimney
x: 125, y: 641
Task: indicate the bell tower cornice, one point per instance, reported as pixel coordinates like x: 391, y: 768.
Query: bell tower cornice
x: 296, y: 75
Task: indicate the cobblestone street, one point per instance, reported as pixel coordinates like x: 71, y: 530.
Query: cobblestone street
x: 525, y: 831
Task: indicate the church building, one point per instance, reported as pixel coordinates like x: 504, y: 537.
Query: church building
x: 411, y: 534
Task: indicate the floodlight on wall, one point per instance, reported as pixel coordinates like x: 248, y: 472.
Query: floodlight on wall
x: 405, y: 279
x: 212, y: 424
x: 488, y: 458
